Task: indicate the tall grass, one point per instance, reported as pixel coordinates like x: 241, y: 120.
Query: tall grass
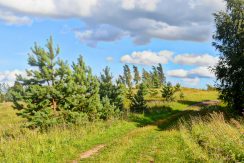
x: 59, y: 144
x: 214, y: 138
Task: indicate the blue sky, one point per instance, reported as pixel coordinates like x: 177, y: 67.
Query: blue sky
x: 113, y: 33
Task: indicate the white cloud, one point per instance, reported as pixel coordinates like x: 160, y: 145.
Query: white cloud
x: 51, y: 8
x: 11, y: 19
x: 198, y: 60
x: 202, y: 72
x: 140, y: 4
x: 180, y: 73
x: 9, y: 77
x: 192, y: 81
x: 103, y: 33
x: 147, y: 57
x: 142, y: 20
x: 151, y: 58
x: 199, y: 72
x: 109, y: 59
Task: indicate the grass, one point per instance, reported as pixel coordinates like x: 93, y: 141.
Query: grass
x: 59, y: 145
x: 152, y: 136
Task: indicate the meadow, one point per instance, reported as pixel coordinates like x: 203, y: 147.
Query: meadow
x: 169, y: 132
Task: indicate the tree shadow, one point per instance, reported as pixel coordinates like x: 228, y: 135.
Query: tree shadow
x: 166, y: 118
x: 152, y: 115
x: 187, y: 102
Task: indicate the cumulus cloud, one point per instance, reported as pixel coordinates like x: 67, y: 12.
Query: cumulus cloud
x: 199, y: 72
x: 151, y: 58
x: 11, y: 19
x: 140, y: 4
x: 142, y: 20
x: 103, y: 33
x: 147, y: 57
x: 197, y: 60
x: 202, y: 72
x: 51, y: 8
x: 180, y: 73
x: 9, y: 77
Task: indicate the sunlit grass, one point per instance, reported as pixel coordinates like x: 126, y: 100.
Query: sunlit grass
x: 197, y: 139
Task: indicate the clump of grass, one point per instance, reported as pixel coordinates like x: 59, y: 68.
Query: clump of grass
x: 214, y: 138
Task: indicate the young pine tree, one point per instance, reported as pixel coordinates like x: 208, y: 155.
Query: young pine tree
x: 138, y: 103
x: 114, y: 92
x: 83, y: 95
x: 168, y: 91
x: 40, y: 92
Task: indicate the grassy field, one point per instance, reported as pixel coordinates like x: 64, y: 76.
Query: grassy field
x: 153, y: 136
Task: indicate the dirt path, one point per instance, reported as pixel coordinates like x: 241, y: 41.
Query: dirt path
x: 89, y: 153
x: 137, y: 136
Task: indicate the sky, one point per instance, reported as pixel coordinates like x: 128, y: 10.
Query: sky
x: 175, y: 33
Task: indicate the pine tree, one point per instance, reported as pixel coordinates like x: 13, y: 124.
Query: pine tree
x: 137, y: 77
x: 54, y: 93
x: 168, y: 91
x: 146, y: 78
x: 161, y: 76
x: 121, y: 80
x: 138, y: 103
x: 83, y: 91
x: 127, y: 76
x: 110, y: 110
x: 114, y: 92
x: 106, y: 84
x: 155, y: 78
x: 40, y: 93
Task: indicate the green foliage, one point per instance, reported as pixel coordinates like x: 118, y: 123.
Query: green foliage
x: 138, y: 103
x: 137, y: 77
x: 229, y: 38
x: 153, y: 92
x: 161, y: 75
x: 127, y: 76
x: 168, y: 91
x: 109, y: 110
x: 54, y: 93
x: 114, y: 92
x: 146, y: 78
x: 155, y: 78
